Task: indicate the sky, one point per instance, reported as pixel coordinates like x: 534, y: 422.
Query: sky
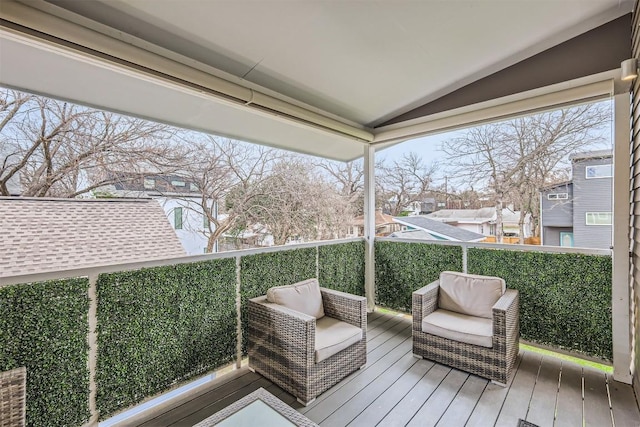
x: 428, y: 147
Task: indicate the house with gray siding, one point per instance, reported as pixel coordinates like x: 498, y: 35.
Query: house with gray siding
x: 579, y: 212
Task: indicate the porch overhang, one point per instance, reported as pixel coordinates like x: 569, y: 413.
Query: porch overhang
x: 315, y: 79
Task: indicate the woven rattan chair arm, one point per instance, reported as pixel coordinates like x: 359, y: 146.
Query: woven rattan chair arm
x: 345, y: 307
x: 425, y: 301
x: 508, y: 301
x: 295, y: 316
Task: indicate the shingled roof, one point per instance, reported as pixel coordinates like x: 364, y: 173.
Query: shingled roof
x: 41, y: 235
x: 440, y: 229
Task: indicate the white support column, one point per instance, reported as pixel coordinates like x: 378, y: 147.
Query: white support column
x: 369, y: 226
x: 620, y: 281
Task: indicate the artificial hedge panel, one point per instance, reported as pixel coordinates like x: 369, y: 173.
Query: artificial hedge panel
x: 403, y: 267
x: 341, y: 267
x: 565, y: 299
x: 263, y: 271
x: 44, y: 327
x: 160, y: 326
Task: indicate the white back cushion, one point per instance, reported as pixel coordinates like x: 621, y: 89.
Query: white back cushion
x: 303, y: 296
x: 469, y: 294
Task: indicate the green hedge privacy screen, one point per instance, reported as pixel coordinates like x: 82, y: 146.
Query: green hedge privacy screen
x: 403, y: 267
x: 263, y: 271
x: 565, y: 299
x: 44, y: 326
x: 161, y: 326
x: 341, y: 267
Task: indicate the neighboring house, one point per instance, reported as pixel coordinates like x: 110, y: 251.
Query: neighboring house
x: 385, y: 225
x: 483, y: 220
x: 436, y: 230
x: 181, y: 202
x: 423, y: 207
x: 254, y: 236
x: 579, y: 212
x: 59, y: 234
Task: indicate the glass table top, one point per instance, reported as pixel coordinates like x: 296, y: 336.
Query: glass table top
x: 256, y: 413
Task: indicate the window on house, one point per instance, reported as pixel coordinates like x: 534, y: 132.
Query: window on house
x: 599, y: 218
x: 599, y: 171
x: 149, y: 183
x: 557, y: 196
x: 193, y: 187
x: 205, y: 221
x: 177, y: 218
x: 178, y: 183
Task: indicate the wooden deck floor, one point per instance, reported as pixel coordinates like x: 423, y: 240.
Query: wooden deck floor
x: 396, y: 389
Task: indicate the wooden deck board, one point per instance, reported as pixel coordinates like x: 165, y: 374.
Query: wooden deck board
x: 623, y: 404
x: 597, y: 412
x: 569, y: 407
x: 542, y: 408
x: 488, y: 407
x: 518, y: 397
x: 396, y: 389
x: 402, y: 413
x: 358, y: 403
x: 464, y: 402
x: 380, y: 407
x: 436, y: 405
x: 318, y: 410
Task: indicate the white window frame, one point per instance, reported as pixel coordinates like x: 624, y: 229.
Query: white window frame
x: 599, y: 215
x: 595, y: 168
x: 557, y: 196
x: 177, y: 183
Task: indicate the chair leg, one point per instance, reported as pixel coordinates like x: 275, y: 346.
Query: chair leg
x: 302, y: 402
x: 498, y: 383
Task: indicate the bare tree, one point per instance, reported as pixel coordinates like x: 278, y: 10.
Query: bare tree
x: 348, y: 178
x: 299, y: 202
x: 514, y: 159
x: 402, y: 182
x: 227, y: 175
x: 57, y: 149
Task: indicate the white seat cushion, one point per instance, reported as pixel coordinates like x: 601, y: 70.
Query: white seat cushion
x: 304, y: 297
x: 469, y: 294
x: 333, y: 335
x: 459, y: 327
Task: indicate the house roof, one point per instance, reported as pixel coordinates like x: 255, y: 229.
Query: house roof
x: 559, y: 184
x: 324, y: 78
x: 464, y: 215
x: 474, y: 216
x: 57, y: 234
x: 595, y: 154
x: 380, y: 218
x: 440, y: 229
x: 413, y: 234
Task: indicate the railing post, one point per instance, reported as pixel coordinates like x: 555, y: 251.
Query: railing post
x: 621, y: 287
x: 464, y: 259
x: 238, y: 316
x: 92, y: 339
x: 369, y: 226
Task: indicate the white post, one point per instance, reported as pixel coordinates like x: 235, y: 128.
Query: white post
x: 369, y: 226
x: 620, y: 281
x: 93, y: 348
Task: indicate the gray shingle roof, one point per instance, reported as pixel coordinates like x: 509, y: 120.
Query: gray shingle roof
x: 440, y: 228
x: 41, y: 235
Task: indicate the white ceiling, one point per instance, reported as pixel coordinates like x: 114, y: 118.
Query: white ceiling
x: 361, y: 61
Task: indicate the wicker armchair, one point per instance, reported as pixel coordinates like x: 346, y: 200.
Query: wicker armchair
x: 495, y: 362
x: 281, y: 344
x: 13, y: 397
